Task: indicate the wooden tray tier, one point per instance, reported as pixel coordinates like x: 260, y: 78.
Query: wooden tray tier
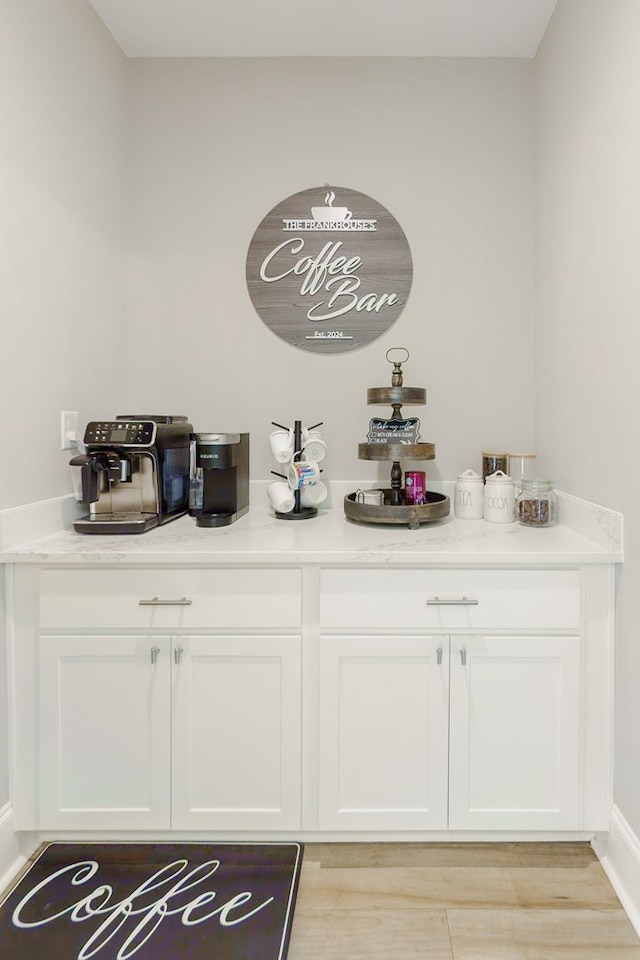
x: 396, y: 451
x: 437, y: 507
x: 411, y: 396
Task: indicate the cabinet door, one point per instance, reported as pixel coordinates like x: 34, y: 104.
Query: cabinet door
x: 383, y: 733
x: 236, y: 732
x: 104, y: 732
x: 515, y: 733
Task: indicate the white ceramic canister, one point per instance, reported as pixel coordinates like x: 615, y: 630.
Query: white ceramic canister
x: 499, y: 498
x: 468, y: 501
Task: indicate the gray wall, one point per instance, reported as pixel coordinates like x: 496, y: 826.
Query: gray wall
x: 445, y: 145
x: 63, y: 103
x: 587, y: 298
x: 63, y: 89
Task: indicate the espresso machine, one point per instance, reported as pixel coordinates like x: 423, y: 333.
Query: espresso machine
x: 134, y: 474
x: 219, y: 483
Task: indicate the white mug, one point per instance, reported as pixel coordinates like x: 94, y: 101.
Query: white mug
x: 313, y: 494
x: 302, y: 472
x: 314, y: 446
x: 281, y: 496
x: 281, y: 444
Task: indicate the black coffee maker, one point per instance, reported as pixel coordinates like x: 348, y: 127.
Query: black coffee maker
x: 219, y: 478
x: 134, y: 474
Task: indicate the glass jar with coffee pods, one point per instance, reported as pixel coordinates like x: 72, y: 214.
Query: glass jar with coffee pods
x: 537, y: 504
x: 493, y: 461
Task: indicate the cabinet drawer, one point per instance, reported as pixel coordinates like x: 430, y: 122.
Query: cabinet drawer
x: 450, y: 599
x: 171, y: 598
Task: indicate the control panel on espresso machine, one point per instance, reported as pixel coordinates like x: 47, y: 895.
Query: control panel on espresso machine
x: 133, y: 433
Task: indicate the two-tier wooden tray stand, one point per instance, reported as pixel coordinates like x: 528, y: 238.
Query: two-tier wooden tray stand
x: 394, y: 509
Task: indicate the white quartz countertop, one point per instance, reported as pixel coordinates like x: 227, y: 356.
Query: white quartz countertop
x: 594, y: 535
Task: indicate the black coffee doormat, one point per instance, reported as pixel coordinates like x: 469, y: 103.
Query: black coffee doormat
x: 153, y: 901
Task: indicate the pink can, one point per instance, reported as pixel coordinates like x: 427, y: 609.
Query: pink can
x: 415, y: 487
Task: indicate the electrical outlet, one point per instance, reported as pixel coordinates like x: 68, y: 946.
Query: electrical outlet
x: 69, y: 426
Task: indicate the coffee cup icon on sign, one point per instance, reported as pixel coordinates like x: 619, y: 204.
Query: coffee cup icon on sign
x: 330, y: 212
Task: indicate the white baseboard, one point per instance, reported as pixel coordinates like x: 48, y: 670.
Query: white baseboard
x: 619, y: 854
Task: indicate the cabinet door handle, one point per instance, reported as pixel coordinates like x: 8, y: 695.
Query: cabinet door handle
x: 157, y: 602
x: 463, y: 657
x: 154, y: 654
x: 452, y: 602
x: 439, y: 656
x: 177, y: 654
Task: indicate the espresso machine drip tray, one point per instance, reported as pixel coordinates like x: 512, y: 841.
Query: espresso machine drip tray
x: 117, y: 523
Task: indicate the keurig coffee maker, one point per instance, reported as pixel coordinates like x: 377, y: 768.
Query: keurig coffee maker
x: 219, y: 478
x: 134, y: 474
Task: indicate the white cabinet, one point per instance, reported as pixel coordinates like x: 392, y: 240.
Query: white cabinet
x: 165, y: 728
x: 383, y: 733
x: 468, y: 733
x: 515, y: 733
x: 236, y: 733
x: 170, y: 598
x: 318, y: 699
x: 464, y: 599
x: 104, y: 723
x: 158, y: 732
x: 443, y: 724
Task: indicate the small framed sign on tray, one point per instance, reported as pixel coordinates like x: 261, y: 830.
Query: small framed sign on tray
x: 406, y: 431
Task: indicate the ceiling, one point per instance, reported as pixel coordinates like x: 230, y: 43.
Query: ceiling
x: 334, y: 28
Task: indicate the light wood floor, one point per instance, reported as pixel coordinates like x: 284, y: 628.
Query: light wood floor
x: 531, y: 901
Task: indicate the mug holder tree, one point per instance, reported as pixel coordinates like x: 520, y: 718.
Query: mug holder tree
x: 299, y: 512
x: 394, y: 510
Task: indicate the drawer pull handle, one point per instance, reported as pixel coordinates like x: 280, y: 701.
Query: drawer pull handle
x: 452, y: 602
x: 157, y: 602
x: 154, y: 654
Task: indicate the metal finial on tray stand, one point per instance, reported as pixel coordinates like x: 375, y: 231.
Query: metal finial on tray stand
x: 299, y: 512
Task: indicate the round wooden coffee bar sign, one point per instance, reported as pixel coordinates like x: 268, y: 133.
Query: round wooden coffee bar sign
x: 329, y: 270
